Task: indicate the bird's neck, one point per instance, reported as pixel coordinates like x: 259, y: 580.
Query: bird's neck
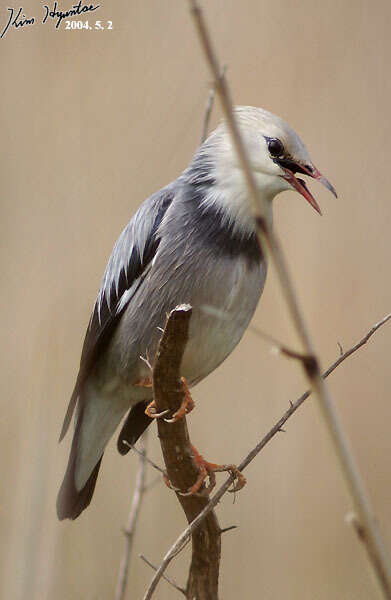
x: 218, y: 204
x: 222, y: 186
x: 231, y: 194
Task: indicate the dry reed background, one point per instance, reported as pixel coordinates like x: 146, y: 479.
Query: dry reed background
x: 92, y: 123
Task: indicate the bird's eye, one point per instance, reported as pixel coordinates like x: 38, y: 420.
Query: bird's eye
x: 275, y: 147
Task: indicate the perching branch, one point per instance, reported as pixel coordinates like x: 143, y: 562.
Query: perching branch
x: 130, y: 529
x: 270, y: 244
x: 177, y: 452
x: 183, y: 538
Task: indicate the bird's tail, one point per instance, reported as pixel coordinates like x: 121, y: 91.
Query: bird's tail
x: 96, y: 419
x: 135, y: 424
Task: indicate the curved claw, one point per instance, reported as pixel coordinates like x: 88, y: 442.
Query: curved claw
x: 194, y: 489
x: 207, y: 469
x: 150, y: 411
x: 169, y: 484
x: 239, y: 477
x: 176, y: 417
x: 186, y: 406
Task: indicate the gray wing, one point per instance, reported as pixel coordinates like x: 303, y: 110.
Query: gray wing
x: 132, y: 253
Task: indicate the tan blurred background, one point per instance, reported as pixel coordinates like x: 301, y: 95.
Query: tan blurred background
x: 92, y: 122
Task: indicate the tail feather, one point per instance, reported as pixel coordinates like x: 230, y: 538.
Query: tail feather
x: 69, y: 414
x: 135, y: 424
x: 70, y: 501
x: 97, y: 417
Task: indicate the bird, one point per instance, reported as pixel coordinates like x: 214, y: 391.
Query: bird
x: 192, y: 242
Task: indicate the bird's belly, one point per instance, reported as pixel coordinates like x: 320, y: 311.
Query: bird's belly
x: 223, y: 302
x: 219, y: 321
x: 209, y: 344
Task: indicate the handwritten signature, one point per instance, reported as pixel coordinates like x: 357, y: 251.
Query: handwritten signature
x: 19, y: 20
x: 77, y: 9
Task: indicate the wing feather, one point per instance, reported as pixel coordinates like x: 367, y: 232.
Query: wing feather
x: 131, y: 255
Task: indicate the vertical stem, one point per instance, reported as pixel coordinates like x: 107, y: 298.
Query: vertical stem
x: 134, y: 512
x: 375, y: 548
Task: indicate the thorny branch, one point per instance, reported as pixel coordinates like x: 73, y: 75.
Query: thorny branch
x: 181, y: 541
x: 182, y: 472
x: 377, y: 554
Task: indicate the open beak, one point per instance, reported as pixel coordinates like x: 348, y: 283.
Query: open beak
x: 290, y: 168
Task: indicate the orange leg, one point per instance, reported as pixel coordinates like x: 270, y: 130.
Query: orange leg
x: 150, y: 411
x: 208, y: 469
x: 186, y: 406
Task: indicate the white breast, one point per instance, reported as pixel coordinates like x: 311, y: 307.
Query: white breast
x: 220, y: 318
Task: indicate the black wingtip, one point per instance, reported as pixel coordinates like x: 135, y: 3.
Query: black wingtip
x: 135, y: 424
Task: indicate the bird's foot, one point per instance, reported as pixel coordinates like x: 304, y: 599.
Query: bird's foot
x: 186, y: 406
x: 208, y: 469
x: 151, y: 412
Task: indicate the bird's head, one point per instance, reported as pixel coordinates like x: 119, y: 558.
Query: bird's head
x: 275, y: 151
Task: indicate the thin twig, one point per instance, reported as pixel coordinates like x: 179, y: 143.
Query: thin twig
x: 269, y: 242
x: 132, y: 521
x: 230, y: 528
x: 184, y: 537
x: 277, y: 346
x: 170, y: 581
x: 209, y: 108
x: 146, y: 458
